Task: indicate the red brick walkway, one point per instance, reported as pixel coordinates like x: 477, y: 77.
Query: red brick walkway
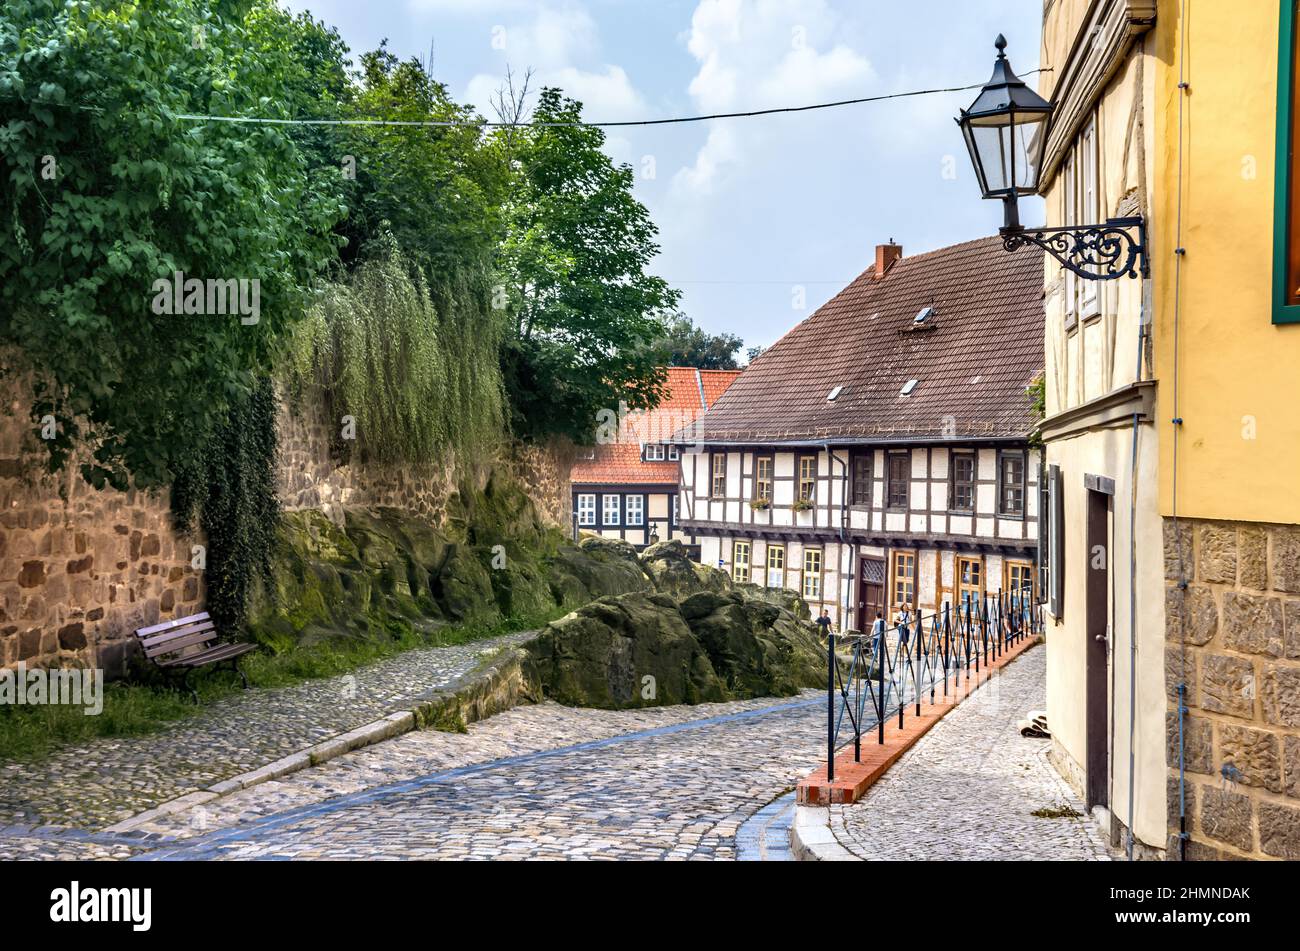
x: 853, y: 779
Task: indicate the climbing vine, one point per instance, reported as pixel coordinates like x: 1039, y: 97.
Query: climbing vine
x: 414, y: 364
x: 228, y: 481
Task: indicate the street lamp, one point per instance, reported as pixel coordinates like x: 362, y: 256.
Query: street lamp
x: 1006, y: 134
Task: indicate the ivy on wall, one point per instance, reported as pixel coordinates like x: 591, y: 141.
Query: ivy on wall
x: 228, y: 482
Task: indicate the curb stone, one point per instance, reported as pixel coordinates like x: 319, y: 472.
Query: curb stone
x: 499, y: 682
x: 812, y: 840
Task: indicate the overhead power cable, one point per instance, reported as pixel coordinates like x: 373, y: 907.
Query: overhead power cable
x: 256, y: 120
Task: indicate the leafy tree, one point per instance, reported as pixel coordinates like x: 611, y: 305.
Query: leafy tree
x: 573, y: 265
x: 106, y: 191
x: 437, y: 189
x: 686, y: 345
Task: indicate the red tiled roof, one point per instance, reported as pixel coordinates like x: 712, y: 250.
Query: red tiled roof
x: 972, y: 359
x: 687, y: 393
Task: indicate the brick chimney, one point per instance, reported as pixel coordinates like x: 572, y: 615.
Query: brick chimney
x: 886, y: 255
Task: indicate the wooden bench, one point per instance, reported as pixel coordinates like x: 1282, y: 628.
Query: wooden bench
x: 188, y: 643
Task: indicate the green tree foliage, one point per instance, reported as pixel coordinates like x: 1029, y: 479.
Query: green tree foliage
x: 415, y: 366
x: 437, y: 189
x: 573, y: 265
x: 106, y: 191
x: 686, y: 345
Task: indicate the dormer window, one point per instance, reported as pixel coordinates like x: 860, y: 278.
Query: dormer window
x: 653, y: 452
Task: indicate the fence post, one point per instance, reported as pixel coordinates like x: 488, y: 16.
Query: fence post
x: 880, y: 682
x: 946, y: 645
x: 830, y: 706
x: 916, y: 669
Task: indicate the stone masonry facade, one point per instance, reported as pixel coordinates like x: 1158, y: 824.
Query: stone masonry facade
x: 1233, y: 638
x: 81, y: 569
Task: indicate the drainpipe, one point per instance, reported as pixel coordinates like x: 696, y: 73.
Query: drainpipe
x: 844, y: 488
x: 1132, y: 578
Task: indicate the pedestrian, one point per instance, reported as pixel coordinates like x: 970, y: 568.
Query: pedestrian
x: 824, y: 622
x: 904, y: 622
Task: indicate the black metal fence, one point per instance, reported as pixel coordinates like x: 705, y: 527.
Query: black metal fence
x: 928, y: 654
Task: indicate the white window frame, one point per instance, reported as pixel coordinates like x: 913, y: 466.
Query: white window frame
x: 811, y: 584
x: 1089, y: 208
x: 587, y: 512
x: 637, y: 510
x: 654, y: 452
x: 605, y: 508
x: 674, y: 453
x: 1069, y: 216
x: 741, y: 567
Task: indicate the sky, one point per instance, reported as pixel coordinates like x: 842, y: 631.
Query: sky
x: 761, y: 220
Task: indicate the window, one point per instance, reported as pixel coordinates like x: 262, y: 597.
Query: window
x: 654, y: 452
x: 899, y: 476
x: 740, y: 562
x: 963, y: 482
x: 970, y: 580
x: 1019, y: 578
x: 776, y: 566
x: 1069, y: 216
x: 636, y: 510
x: 586, y: 509
x: 719, y: 483
x: 807, y: 478
x: 1089, y: 205
x: 672, y: 512
x: 904, y: 571
x: 609, y: 504
x: 1286, y: 197
x: 861, y: 478
x: 1011, y: 484
x: 812, y: 574
x: 763, y: 478
x: 1052, y: 550
x: 674, y: 453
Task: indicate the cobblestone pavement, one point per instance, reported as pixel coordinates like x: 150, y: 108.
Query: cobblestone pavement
x: 97, y: 784
x: 541, y: 781
x: 969, y: 788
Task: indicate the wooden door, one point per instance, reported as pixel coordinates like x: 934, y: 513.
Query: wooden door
x: 871, y: 592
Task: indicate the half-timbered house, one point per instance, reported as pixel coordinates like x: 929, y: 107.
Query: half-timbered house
x: 878, y: 455
x: 625, y: 486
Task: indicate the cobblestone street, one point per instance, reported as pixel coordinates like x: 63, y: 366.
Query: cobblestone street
x: 706, y: 782
x: 91, y: 786
x: 970, y: 787
x: 541, y: 781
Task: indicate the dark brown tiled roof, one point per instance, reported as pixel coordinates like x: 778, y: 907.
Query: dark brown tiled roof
x: 984, y: 345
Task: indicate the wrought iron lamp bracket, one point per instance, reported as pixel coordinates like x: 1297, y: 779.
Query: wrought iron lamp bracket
x: 1094, y: 252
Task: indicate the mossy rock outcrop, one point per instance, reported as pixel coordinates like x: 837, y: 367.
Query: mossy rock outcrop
x: 672, y: 572
x: 696, y: 639
x: 601, y: 655
x: 381, y: 573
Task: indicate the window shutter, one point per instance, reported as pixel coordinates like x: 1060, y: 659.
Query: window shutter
x: 1056, y: 567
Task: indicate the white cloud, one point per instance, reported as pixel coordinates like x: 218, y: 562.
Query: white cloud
x: 561, y: 44
x: 756, y: 54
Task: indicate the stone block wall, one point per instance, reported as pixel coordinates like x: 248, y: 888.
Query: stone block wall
x: 81, y: 569
x: 1233, y: 638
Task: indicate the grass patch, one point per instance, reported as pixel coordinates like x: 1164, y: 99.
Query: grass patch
x: 1056, y: 812
x: 149, y: 703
